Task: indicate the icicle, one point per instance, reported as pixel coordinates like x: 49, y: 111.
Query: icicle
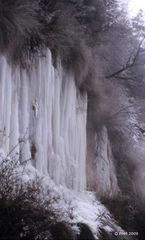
x: 43, y: 115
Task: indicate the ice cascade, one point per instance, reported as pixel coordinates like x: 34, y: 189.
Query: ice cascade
x: 43, y: 119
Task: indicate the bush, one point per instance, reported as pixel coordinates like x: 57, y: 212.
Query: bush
x: 24, y: 212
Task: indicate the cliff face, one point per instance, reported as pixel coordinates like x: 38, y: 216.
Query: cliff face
x: 43, y: 127
x: 43, y: 117
x: 43, y: 92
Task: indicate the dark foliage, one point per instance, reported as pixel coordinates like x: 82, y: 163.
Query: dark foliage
x: 61, y: 231
x: 24, y: 211
x: 85, y: 232
x: 20, y: 34
x: 19, y: 220
x: 22, y: 221
x: 129, y: 213
x: 27, y: 27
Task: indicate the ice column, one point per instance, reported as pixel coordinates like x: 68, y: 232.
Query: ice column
x: 43, y: 118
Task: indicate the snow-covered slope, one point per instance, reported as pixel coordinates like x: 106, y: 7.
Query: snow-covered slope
x: 71, y: 206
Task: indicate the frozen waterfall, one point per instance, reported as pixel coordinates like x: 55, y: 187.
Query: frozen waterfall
x: 43, y: 118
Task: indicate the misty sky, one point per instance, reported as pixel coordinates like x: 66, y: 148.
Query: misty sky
x: 135, y: 6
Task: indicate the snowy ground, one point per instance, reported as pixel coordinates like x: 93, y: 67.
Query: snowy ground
x: 73, y: 207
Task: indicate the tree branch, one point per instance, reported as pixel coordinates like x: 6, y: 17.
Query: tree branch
x: 130, y: 63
